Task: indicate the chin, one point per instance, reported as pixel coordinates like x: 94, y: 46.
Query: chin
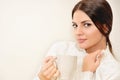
x: 83, y: 46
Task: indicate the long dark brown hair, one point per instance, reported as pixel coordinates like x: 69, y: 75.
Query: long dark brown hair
x: 100, y: 13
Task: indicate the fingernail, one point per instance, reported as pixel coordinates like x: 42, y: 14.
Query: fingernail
x: 102, y: 52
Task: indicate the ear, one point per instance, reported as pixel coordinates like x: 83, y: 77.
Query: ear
x: 105, y: 28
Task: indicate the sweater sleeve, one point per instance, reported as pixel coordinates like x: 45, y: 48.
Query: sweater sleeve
x: 87, y: 75
x: 36, y: 78
x: 114, y: 73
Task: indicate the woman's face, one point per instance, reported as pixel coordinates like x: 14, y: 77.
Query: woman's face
x: 86, y: 33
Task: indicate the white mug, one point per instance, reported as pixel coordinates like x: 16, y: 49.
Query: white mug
x: 66, y: 64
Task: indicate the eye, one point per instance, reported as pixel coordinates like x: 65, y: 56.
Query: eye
x: 87, y: 24
x: 74, y: 25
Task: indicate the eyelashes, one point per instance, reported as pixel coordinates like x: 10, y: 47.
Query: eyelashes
x: 74, y: 25
x: 87, y: 24
x: 83, y: 25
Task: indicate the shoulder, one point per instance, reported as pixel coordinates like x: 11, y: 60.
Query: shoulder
x: 110, y: 67
x: 109, y: 70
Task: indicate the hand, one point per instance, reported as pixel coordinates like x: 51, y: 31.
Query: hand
x: 48, y: 70
x: 91, y: 61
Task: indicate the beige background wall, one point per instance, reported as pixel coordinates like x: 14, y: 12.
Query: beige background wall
x: 29, y: 27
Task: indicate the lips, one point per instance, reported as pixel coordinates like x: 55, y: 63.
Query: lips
x: 81, y: 40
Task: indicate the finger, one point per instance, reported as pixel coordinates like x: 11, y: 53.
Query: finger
x: 52, y: 72
x: 51, y: 58
x: 47, y: 59
x: 49, y: 64
x: 98, y: 59
x: 46, y: 66
x: 97, y: 63
x: 48, y: 71
x: 96, y: 53
x: 99, y: 56
x: 45, y: 75
x: 57, y: 73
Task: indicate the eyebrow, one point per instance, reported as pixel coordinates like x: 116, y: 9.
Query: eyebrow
x: 82, y: 21
x: 86, y: 21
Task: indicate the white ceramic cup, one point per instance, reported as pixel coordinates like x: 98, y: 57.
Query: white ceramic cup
x: 66, y: 64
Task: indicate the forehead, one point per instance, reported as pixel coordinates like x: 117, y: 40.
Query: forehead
x: 80, y: 16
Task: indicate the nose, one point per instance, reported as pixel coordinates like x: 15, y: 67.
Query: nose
x: 79, y: 31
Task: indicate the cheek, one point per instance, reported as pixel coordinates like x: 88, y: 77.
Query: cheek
x: 74, y: 33
x: 94, y: 36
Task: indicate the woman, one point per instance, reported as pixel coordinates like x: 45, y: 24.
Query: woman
x: 92, y: 23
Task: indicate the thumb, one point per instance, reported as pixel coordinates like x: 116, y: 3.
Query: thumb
x: 96, y: 53
x: 98, y: 59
